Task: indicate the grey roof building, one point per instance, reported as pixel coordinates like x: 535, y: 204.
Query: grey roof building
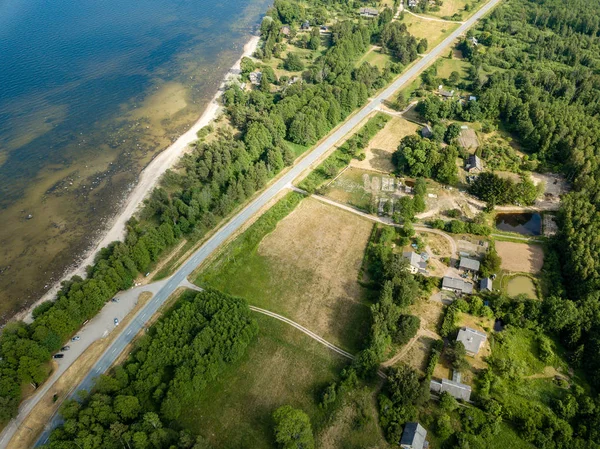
x: 369, y: 12
x: 456, y: 389
x: 474, y: 163
x: 485, y: 285
x: 416, y: 262
x: 426, y: 131
x: 469, y: 264
x: 413, y: 436
x: 457, y: 285
x: 472, y: 339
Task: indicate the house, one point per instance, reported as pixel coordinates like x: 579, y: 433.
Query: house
x: 413, y: 436
x: 456, y: 389
x: 474, y: 164
x: 427, y: 131
x: 485, y: 285
x: 472, y: 339
x: 413, y: 3
x: 467, y: 264
x: 255, y: 77
x: 474, y: 41
x: 415, y: 262
x: 305, y: 25
x: 285, y: 30
x: 293, y: 80
x: 445, y: 93
x: 472, y: 98
x: 369, y: 12
x: 457, y: 286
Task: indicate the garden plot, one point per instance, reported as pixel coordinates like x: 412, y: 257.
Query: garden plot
x: 520, y: 257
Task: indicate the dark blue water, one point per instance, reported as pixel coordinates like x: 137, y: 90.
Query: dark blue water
x: 521, y: 223
x: 72, y: 76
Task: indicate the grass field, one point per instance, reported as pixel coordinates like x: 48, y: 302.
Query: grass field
x: 283, y: 366
x: 433, y: 31
x: 446, y: 66
x: 376, y: 58
x: 451, y: 7
x: 306, y: 268
x: 520, y: 257
x: 382, y: 146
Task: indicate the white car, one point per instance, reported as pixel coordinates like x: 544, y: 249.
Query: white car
x: 116, y: 320
x: 76, y: 338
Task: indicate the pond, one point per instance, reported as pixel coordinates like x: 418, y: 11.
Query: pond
x: 525, y: 224
x: 521, y: 285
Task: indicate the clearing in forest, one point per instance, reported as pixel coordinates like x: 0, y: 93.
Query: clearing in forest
x: 306, y: 269
x: 382, y: 146
x: 433, y: 30
x: 520, y: 257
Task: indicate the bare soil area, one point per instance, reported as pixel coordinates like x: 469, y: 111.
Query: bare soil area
x: 520, y: 257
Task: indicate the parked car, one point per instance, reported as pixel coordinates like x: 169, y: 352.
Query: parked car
x: 115, y: 300
x: 65, y: 348
x: 116, y: 321
x: 58, y: 356
x: 76, y: 338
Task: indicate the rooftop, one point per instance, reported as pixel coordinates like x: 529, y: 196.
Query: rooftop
x: 469, y: 264
x: 415, y: 260
x: 485, y: 284
x: 472, y: 339
x: 457, y: 284
x: 413, y: 435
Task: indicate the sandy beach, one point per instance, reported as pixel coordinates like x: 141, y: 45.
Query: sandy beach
x: 148, y: 179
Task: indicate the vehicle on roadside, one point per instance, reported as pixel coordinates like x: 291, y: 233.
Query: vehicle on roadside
x: 65, y: 348
x: 58, y: 356
x: 116, y: 321
x: 115, y: 300
x: 76, y: 338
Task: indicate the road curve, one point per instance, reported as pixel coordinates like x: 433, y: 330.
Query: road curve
x: 221, y: 235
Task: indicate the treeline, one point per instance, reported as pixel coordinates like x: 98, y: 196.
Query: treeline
x: 495, y: 190
x: 341, y: 157
x: 217, y: 176
x: 138, y: 404
x: 544, y: 86
x: 396, y: 289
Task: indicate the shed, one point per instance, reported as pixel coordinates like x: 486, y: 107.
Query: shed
x: 457, y: 389
x: 474, y: 164
x: 413, y: 436
x: 427, y: 131
x: 305, y: 25
x: 472, y: 339
x: 468, y: 264
x: 369, y: 12
x: 285, y: 30
x: 485, y: 285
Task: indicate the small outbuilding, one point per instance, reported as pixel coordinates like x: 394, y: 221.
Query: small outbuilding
x: 255, y: 77
x: 368, y: 12
x: 485, y: 285
x: 472, y: 340
x: 474, y: 164
x: 427, y: 131
x: 305, y: 25
x: 469, y: 265
x: 457, y: 390
x: 285, y: 30
x: 413, y: 436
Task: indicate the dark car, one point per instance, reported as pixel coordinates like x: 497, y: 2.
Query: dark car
x: 65, y: 348
x: 58, y: 356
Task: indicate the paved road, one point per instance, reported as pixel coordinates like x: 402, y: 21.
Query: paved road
x: 169, y: 286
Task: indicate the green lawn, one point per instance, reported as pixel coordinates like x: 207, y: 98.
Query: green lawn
x: 283, y: 366
x: 446, y: 66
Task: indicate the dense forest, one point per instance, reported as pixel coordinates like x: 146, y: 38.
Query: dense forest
x: 217, y: 176
x: 136, y: 405
x: 538, y: 76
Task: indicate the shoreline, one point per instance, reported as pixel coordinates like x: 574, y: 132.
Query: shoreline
x: 147, y: 180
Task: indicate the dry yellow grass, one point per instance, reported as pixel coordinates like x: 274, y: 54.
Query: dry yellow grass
x: 33, y: 425
x: 432, y: 30
x: 520, y: 257
x: 379, y: 152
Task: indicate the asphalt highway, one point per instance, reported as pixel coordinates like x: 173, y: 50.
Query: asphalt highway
x: 219, y: 237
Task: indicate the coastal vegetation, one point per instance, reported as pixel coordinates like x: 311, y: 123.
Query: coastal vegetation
x: 216, y: 177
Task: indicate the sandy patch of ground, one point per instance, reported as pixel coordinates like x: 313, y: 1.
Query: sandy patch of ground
x: 520, y: 257
x: 382, y: 146
x: 468, y: 139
